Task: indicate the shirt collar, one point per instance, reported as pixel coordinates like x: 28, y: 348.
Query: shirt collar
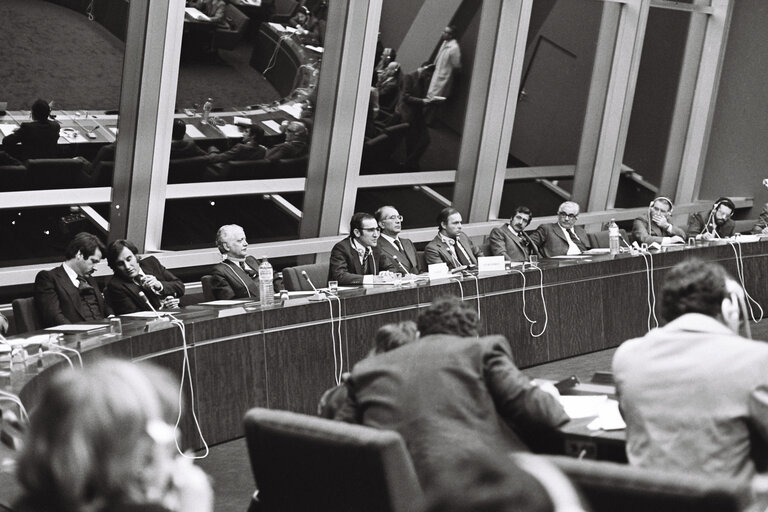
x: 361, y: 250
x: 447, y: 240
x: 71, y: 274
x: 390, y: 239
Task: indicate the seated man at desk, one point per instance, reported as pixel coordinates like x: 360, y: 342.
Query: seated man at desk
x: 38, y: 138
x: 451, y: 245
x: 139, y: 283
x: 564, y: 237
x: 234, y: 278
x: 400, y: 250
x: 357, y: 259
x: 296, y: 143
x: 694, y: 394
x: 510, y: 239
x: 249, y: 149
x: 714, y: 223
x: 214, y: 9
x: 180, y: 147
x: 655, y: 227
x: 306, y: 26
x: 68, y: 294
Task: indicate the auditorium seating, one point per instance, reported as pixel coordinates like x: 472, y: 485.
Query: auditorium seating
x: 187, y: 170
x: 303, y: 463
x: 600, y: 239
x: 13, y: 177
x: 205, y: 281
x: 294, y: 281
x: 250, y: 170
x: 292, y: 167
x: 51, y: 173
x: 227, y: 39
x: 25, y: 315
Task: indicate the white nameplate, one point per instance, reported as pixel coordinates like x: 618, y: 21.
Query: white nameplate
x: 491, y: 264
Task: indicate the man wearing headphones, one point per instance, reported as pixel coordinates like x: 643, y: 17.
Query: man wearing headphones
x: 694, y: 394
x: 655, y: 227
x: 716, y: 223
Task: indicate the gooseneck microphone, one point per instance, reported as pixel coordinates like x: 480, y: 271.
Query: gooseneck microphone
x: 146, y: 301
x: 397, y: 260
x: 318, y: 296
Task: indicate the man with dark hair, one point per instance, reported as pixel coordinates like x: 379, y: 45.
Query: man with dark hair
x: 449, y: 392
x: 68, y: 294
x: 181, y: 148
x: 510, y: 239
x: 694, y: 394
x: 451, y: 245
x: 38, y: 138
x: 656, y: 227
x: 399, y: 249
x: 716, y: 223
x: 357, y: 259
x: 564, y: 237
x: 233, y: 278
x: 296, y: 143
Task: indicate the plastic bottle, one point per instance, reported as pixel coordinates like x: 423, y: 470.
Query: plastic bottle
x: 266, y: 288
x: 207, y: 107
x: 613, y: 237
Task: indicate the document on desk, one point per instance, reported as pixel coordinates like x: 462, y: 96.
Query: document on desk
x: 291, y: 110
x: 277, y: 26
x: 231, y: 131
x: 608, y: 418
x: 318, y: 49
x: 582, y: 406
x: 195, y: 14
x: 193, y: 132
x: 7, y: 128
x: 272, y: 125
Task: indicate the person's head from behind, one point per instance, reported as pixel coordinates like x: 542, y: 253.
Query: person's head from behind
x: 449, y: 315
x: 99, y: 436
x: 254, y: 134
x: 83, y: 253
x: 40, y: 110
x: 179, y: 129
x: 296, y: 132
x: 391, y: 336
x: 696, y: 286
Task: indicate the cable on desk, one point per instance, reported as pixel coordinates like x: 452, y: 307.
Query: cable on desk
x: 543, y: 303
x: 338, y: 361
x: 10, y: 397
x: 740, y: 273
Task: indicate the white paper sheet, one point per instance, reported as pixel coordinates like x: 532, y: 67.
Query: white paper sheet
x: 193, y: 132
x: 272, y: 125
x: 7, y: 128
x: 231, y: 131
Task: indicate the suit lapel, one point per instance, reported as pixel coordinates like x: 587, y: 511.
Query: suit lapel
x: 354, y: 256
x: 410, y: 253
x: 73, y: 292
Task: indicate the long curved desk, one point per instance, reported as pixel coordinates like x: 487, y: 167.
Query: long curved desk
x: 281, y: 356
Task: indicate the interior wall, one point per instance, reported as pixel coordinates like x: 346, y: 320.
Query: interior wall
x: 737, y: 158
x: 396, y: 17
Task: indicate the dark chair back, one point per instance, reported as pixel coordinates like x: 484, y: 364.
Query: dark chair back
x: 187, y: 170
x: 13, y: 177
x: 251, y: 170
x: 305, y: 463
x: 45, y: 173
x: 292, y: 167
x: 25, y: 315
x: 207, y: 288
x: 284, y: 10
x: 294, y: 281
x: 227, y: 39
x: 600, y: 239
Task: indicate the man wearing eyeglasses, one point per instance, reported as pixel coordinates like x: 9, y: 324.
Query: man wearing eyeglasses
x: 716, y: 223
x: 400, y: 250
x: 656, y: 226
x: 510, y: 239
x: 357, y: 259
x: 451, y: 245
x: 562, y: 238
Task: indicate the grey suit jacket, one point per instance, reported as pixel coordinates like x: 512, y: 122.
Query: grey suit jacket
x: 551, y: 241
x: 437, y: 251
x: 501, y: 242
x: 407, y: 258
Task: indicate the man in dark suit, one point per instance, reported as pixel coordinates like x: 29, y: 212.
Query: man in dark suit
x: 233, y: 278
x: 134, y: 277
x: 449, y: 392
x: 562, y: 237
x: 249, y: 149
x: 656, y: 226
x: 68, y: 294
x: 400, y: 250
x: 180, y: 147
x: 510, y: 239
x: 410, y: 109
x: 38, y: 138
x: 357, y: 259
x: 715, y: 223
x: 451, y: 245
x: 296, y: 143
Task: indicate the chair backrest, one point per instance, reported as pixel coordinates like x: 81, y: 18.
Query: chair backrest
x: 13, y: 177
x: 293, y: 167
x: 600, y: 239
x: 25, y: 315
x: 56, y: 173
x: 251, y: 170
x: 609, y: 486
x: 294, y: 281
x: 187, y: 170
x: 305, y: 463
x: 237, y: 19
x: 207, y: 288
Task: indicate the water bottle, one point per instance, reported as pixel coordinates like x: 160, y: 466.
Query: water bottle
x: 207, y: 107
x: 613, y: 237
x: 266, y: 289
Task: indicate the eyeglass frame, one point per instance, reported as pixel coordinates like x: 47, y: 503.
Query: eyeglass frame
x: 571, y: 216
x: 394, y: 217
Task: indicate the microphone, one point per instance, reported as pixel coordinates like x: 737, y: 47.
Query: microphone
x: 158, y: 323
x: 397, y: 260
x: 146, y: 301
x: 318, y: 296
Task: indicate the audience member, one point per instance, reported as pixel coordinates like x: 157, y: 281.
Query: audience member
x: 68, y: 294
x: 180, y: 147
x: 306, y: 26
x: 451, y: 245
x: 388, y: 337
x: 214, y: 9
x: 102, y: 438
x: 388, y: 85
x: 716, y: 223
x: 410, y: 109
x: 447, y: 63
x: 38, y: 138
x: 510, y: 239
x: 249, y: 149
x: 391, y: 223
x: 655, y: 227
x: 233, y: 278
x: 449, y: 393
x: 563, y: 237
x: 357, y: 259
x: 296, y: 143
x: 694, y: 393
x: 137, y: 281
x: 761, y: 226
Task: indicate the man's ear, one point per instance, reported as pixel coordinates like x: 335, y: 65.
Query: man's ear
x: 729, y: 308
x: 355, y: 233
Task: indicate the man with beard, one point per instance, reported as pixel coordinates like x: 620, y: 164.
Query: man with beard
x: 716, y: 223
x: 510, y: 239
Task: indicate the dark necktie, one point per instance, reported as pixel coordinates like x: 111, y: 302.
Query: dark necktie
x: 367, y: 263
x: 83, y: 286
x: 399, y: 245
x: 576, y: 240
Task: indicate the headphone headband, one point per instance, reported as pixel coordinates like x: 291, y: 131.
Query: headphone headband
x: 665, y: 199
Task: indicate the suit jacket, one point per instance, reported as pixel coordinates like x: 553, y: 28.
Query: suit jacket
x: 762, y: 221
x: 185, y: 148
x: 345, y: 266
x: 697, y: 222
x: 123, y: 294
x: 551, y: 241
x: 292, y: 149
x: 437, y: 251
x: 447, y: 395
x: 694, y: 396
x: 407, y: 258
x: 58, y: 300
x: 447, y: 61
x: 411, y: 106
x: 38, y: 139
x: 502, y: 242
x: 232, y: 282
x: 642, y: 235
